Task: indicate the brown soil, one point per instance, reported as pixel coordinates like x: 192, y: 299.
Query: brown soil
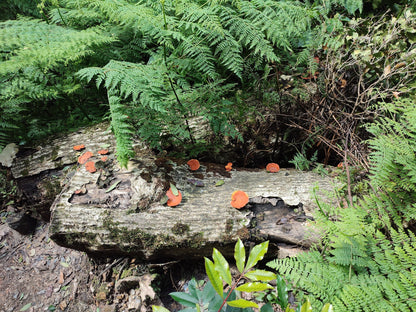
x: 38, y: 275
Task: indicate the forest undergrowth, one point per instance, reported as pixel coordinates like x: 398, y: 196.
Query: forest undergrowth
x: 296, y: 83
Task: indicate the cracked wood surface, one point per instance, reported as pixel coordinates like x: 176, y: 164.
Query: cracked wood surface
x: 117, y: 211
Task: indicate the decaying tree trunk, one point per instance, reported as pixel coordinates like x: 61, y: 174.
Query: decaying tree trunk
x: 117, y: 211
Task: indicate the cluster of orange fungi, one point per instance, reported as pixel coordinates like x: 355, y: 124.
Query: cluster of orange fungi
x: 90, y: 166
x: 173, y: 200
x: 79, y: 147
x: 238, y: 198
x: 83, y: 159
x: 103, y: 152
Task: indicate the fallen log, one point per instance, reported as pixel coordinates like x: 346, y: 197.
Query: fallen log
x: 118, y: 211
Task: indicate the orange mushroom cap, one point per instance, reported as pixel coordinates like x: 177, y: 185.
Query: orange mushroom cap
x: 239, y: 199
x: 193, y: 164
x: 103, y: 152
x: 272, y: 167
x: 84, y: 157
x: 229, y: 166
x: 79, y: 147
x: 172, y: 199
x: 104, y: 158
x: 90, y: 166
x: 340, y: 165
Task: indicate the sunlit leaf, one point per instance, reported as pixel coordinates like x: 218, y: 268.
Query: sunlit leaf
x: 174, y: 189
x: 25, y: 307
x: 256, y: 254
x: 159, y: 309
x: 240, y: 255
x: 112, y: 187
x: 219, y: 183
x: 222, y: 266
x: 241, y: 303
x: 255, y: 286
x: 260, y: 275
x: 306, y: 307
x: 214, y: 277
x: 327, y: 308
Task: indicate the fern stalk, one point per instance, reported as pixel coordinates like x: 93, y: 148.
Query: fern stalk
x: 185, y: 116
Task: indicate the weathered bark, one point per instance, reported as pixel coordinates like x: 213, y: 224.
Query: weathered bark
x: 118, y: 211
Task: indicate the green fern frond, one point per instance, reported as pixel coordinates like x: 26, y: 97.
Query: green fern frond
x: 122, y: 130
x: 247, y: 34
x: 49, y: 44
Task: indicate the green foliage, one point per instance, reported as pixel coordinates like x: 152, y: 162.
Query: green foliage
x: 187, y: 50
x: 367, y: 257
x: 164, y: 65
x: 211, y: 296
x: 39, y: 61
x: 301, y: 162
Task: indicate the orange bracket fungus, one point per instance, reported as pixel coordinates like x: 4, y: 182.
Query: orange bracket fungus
x: 103, y: 152
x: 90, y: 166
x: 84, y: 157
x: 229, y: 166
x: 79, y: 147
x: 173, y: 200
x: 239, y: 199
x: 193, y: 164
x: 272, y: 167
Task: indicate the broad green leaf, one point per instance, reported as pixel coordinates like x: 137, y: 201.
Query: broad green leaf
x: 193, y: 288
x: 159, y: 309
x: 112, y: 187
x: 267, y: 308
x: 219, y: 183
x: 222, y: 266
x: 256, y: 286
x: 282, y: 293
x: 209, y: 292
x: 25, y: 307
x: 214, y: 277
x: 327, y: 308
x: 241, y: 303
x: 240, y: 255
x: 306, y: 307
x: 174, y: 189
x: 184, y: 298
x: 260, y: 275
x: 289, y: 309
x: 256, y: 254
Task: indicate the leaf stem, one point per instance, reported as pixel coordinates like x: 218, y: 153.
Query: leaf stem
x: 231, y: 290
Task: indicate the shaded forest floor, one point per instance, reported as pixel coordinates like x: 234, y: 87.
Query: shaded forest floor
x: 38, y: 275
